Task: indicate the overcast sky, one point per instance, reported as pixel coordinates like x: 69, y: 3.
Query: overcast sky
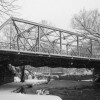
x: 58, y: 12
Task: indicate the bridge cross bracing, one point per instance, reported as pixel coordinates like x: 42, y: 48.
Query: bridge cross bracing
x: 22, y: 35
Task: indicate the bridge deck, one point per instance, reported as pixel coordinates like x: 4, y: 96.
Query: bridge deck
x: 39, y: 59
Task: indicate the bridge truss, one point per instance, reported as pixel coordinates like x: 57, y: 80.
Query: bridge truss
x: 22, y: 35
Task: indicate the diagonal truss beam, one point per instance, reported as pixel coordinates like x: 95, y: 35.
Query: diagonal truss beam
x: 18, y: 35
x: 5, y: 23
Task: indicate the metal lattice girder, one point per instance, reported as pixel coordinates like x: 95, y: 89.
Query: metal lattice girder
x: 23, y: 35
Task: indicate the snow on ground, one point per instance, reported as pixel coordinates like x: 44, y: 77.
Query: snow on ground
x: 88, y: 80
x: 6, y: 93
x: 18, y: 96
x: 31, y: 81
x: 16, y: 79
x: 35, y: 81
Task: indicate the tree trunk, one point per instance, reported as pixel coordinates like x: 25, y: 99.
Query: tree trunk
x: 22, y: 73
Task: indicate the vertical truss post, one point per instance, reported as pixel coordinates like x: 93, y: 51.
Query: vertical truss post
x: 78, y: 49
x: 60, y: 43
x: 67, y: 49
x: 53, y: 46
x: 91, y: 46
x: 10, y: 32
x: 38, y: 38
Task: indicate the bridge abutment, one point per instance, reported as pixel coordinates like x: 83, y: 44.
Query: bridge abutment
x: 5, y: 74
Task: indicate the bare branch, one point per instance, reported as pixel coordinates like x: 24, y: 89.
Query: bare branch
x: 7, y: 8
x: 87, y: 22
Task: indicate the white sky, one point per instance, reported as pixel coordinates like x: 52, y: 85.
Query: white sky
x: 58, y: 12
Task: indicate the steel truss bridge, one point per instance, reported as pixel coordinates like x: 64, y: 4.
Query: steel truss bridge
x: 24, y: 42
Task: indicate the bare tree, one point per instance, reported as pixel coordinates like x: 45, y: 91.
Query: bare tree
x: 7, y: 8
x: 87, y: 22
